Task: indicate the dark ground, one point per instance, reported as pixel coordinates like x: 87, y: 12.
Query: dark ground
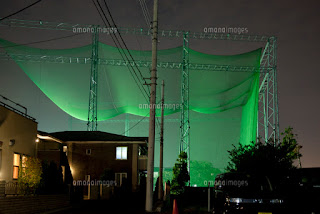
x: 193, y: 202
x: 97, y: 207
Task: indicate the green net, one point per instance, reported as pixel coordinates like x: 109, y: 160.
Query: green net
x: 223, y: 105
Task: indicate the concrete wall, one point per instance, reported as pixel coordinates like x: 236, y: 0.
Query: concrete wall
x: 23, y: 131
x: 33, y: 204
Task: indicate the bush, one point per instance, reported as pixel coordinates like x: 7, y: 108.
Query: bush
x: 30, y: 175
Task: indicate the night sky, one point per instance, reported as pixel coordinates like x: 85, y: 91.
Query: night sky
x: 295, y: 23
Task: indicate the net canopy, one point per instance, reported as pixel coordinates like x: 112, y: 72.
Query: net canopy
x: 223, y: 105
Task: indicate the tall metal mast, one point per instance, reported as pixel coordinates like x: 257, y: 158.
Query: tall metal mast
x: 93, y: 94
x: 184, y: 115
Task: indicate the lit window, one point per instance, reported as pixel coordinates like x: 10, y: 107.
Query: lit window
x: 16, y: 164
x: 65, y: 148
x: 88, y: 151
x: 121, y: 153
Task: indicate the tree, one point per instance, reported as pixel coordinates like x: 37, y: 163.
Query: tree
x: 30, y: 175
x: 52, y: 179
x: 180, y: 175
x: 203, y: 172
x: 266, y: 157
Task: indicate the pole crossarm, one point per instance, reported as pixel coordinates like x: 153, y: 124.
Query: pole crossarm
x: 138, y: 63
x: 88, y: 28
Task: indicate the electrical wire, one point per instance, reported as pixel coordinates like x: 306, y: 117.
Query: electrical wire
x: 136, y: 124
x: 19, y: 11
x: 117, y: 43
x: 123, y: 55
x: 145, y: 12
x: 123, y: 39
x: 106, y: 5
x: 41, y: 41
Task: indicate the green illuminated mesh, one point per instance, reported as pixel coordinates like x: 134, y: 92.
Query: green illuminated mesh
x: 223, y: 104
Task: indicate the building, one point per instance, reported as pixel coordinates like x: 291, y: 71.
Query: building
x: 18, y: 134
x: 90, y: 154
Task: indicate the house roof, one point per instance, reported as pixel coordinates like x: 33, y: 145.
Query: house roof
x: 93, y: 136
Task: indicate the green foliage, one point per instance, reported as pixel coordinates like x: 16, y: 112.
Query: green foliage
x: 180, y: 175
x: 266, y: 158
x: 202, y: 172
x: 29, y: 175
x: 291, y: 144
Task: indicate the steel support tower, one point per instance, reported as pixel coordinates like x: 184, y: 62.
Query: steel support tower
x: 268, y: 110
x: 93, y: 93
x: 184, y: 114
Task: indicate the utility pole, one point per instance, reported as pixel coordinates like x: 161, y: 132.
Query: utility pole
x: 153, y: 78
x: 160, y: 193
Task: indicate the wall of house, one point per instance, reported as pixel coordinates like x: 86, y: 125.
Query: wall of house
x: 23, y: 131
x: 103, y: 156
x: 49, y: 151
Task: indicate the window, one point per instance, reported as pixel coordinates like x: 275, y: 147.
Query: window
x: 121, y: 153
x: 120, y: 178
x: 65, y: 148
x: 16, y: 164
x: 88, y: 151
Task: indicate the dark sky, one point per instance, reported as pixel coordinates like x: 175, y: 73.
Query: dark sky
x: 295, y: 23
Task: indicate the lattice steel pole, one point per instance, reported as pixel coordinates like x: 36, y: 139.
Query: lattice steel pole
x: 93, y: 94
x: 276, y: 128
x: 268, y: 113
x: 184, y: 116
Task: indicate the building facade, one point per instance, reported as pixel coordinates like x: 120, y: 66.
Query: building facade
x: 95, y: 156
x: 18, y: 134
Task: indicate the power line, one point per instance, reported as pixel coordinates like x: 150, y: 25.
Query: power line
x: 19, y: 11
x: 135, y: 124
x: 41, y: 41
x: 146, y: 9
x: 127, y: 49
x: 145, y: 12
x: 122, y: 39
x: 117, y: 43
